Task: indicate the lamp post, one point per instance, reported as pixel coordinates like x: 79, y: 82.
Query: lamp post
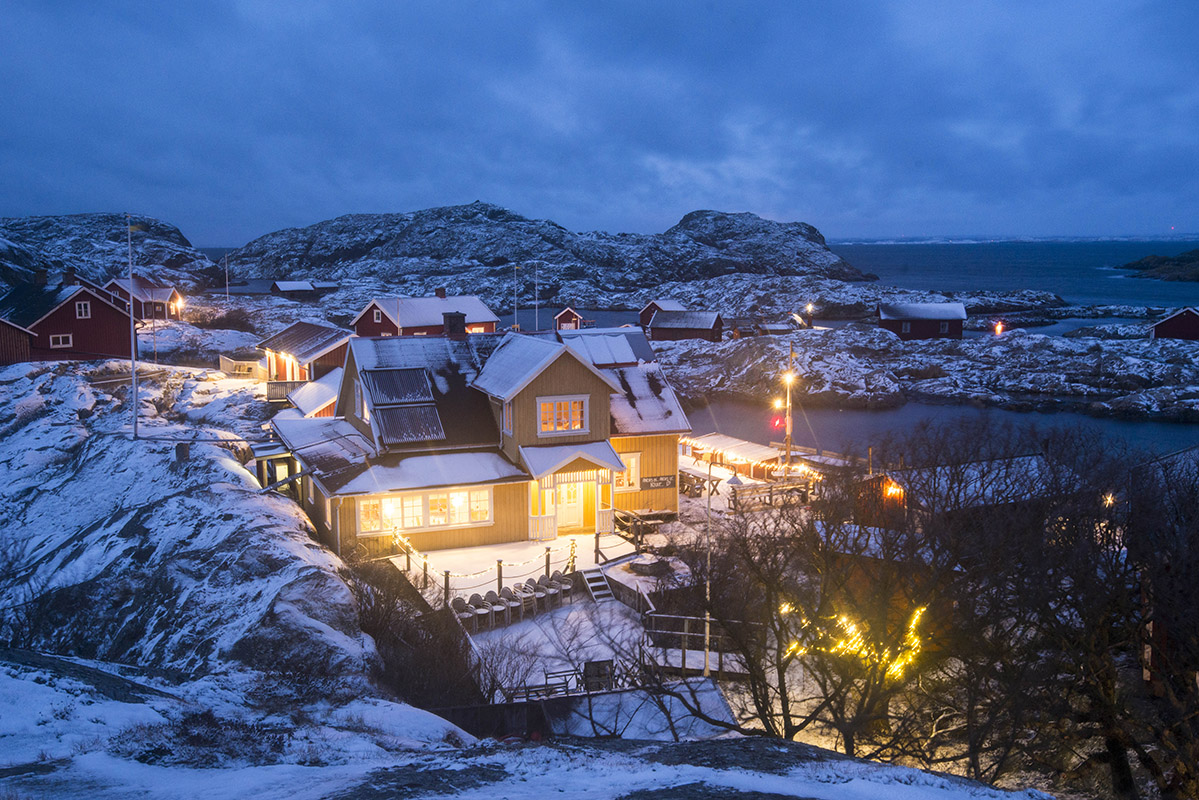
x: 788, y: 379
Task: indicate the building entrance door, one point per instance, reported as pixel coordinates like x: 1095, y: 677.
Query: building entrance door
x: 570, y: 506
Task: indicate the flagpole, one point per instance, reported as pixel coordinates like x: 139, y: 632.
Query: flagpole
x: 536, y: 297
x: 226, y: 279
x: 132, y: 328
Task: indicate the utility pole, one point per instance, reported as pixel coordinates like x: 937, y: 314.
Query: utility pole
x: 789, y: 378
x: 132, y: 329
x: 515, y: 288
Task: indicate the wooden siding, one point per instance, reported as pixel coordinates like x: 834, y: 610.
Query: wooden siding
x: 345, y: 399
x: 15, y: 344
x: 659, y: 458
x: 104, y: 335
x: 320, y: 367
x: 1184, y: 325
x: 366, y: 325
x: 565, y: 377
x: 922, y: 328
x: 712, y: 334
x: 510, y: 514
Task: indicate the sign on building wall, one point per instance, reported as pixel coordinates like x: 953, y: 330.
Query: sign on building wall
x: 658, y: 482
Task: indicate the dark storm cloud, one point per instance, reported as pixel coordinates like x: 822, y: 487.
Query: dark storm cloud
x: 865, y: 119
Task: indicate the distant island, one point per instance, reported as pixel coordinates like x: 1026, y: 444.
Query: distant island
x: 1182, y: 267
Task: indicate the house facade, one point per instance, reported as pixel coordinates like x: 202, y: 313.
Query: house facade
x: 425, y: 316
x: 16, y: 343
x: 467, y: 441
x: 304, y: 351
x: 568, y: 320
x: 151, y: 299
x: 68, y: 321
x: 654, y: 306
x: 1182, y: 324
x: 922, y: 320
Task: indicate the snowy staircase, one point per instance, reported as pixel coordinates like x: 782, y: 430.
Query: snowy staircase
x: 597, y: 585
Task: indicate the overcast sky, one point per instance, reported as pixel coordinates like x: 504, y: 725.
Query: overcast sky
x: 865, y: 119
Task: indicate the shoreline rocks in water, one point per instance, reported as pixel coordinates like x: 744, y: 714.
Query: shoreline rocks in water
x: 1182, y: 267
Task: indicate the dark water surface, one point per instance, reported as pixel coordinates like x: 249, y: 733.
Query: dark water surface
x: 1081, y: 272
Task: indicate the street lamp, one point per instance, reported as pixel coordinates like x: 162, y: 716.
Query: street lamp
x: 788, y: 379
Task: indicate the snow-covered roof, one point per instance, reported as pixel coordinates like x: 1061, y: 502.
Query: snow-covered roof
x: 292, y: 286
x: 666, y: 305
x: 519, y: 359
x: 633, y: 335
x: 697, y: 320
x: 420, y: 312
x: 327, y: 445
x: 909, y: 311
x: 646, y: 403
x: 315, y: 395
x: 402, y: 473
x: 736, y: 448
x: 1187, y: 310
x: 145, y: 290
x: 27, y: 304
x: 544, y: 460
x: 305, y: 341
x: 602, y: 351
x: 983, y: 483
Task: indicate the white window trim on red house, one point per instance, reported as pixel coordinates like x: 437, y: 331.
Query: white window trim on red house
x: 83, y: 309
x: 65, y: 340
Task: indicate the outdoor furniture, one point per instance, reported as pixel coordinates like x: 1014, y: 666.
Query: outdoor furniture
x: 565, y: 584
x: 515, y: 599
x: 495, y: 601
x: 552, y: 590
x: 527, y: 599
x: 538, y: 593
x: 463, y: 611
x: 482, y: 609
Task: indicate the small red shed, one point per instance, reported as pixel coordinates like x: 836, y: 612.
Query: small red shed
x: 568, y: 320
x: 1182, y: 324
x: 922, y: 320
x: 654, y: 306
x: 674, y: 325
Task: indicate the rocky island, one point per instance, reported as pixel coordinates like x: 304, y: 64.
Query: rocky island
x: 1182, y: 267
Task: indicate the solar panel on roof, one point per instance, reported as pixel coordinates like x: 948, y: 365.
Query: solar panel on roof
x: 391, y: 386
x: 406, y: 424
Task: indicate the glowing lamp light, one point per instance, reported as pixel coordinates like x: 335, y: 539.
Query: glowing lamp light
x: 809, y: 308
x: 778, y: 402
x: 1109, y: 500
x: 788, y: 378
x: 998, y: 328
x: 893, y: 490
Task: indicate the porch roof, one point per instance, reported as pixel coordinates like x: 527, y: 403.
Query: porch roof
x: 542, y: 461
x: 404, y: 473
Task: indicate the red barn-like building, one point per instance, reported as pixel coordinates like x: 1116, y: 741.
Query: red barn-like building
x: 304, y: 351
x: 674, y: 325
x: 423, y: 316
x: 70, y: 321
x: 568, y: 320
x: 1182, y: 324
x: 922, y: 320
x: 151, y: 299
x: 654, y: 306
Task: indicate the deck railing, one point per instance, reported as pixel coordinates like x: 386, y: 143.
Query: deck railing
x: 277, y: 391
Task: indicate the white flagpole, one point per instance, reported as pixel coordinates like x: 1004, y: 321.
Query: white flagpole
x: 226, y: 279
x: 536, y: 297
x: 132, y: 328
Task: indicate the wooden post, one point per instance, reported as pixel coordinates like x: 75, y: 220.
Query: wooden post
x: 447, y: 588
x: 597, y: 550
x: 686, y: 636
x: 425, y: 583
x: 547, y: 562
x: 499, y: 575
x: 407, y: 559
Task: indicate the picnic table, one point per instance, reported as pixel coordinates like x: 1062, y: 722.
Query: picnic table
x: 695, y: 481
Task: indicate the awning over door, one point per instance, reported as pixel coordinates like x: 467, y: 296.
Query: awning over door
x: 546, y: 460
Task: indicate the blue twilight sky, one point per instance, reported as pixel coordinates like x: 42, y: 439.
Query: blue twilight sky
x: 866, y: 119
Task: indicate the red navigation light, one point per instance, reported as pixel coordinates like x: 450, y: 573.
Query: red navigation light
x: 776, y: 422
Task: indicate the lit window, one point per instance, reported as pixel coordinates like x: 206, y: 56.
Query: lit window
x: 378, y: 315
x: 414, y: 511
x: 944, y: 327
x: 562, y: 414
x: 386, y: 333
x: 61, y: 340
x: 459, y: 508
x: 83, y: 309
x: 476, y: 329
x: 439, y: 509
x: 369, y: 518
x: 480, y: 505
x: 630, y: 479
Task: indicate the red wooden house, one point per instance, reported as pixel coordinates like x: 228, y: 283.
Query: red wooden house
x: 151, y: 299
x: 674, y: 325
x: 922, y: 320
x: 16, y: 343
x: 304, y: 351
x: 424, y: 316
x: 69, y: 321
x: 568, y: 320
x: 654, y: 306
x: 1182, y: 324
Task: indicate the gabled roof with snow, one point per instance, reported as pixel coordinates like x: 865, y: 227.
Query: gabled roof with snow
x: 543, y: 460
x: 1188, y: 310
x: 145, y: 290
x: 327, y: 445
x: 912, y: 311
x: 27, y: 304
x: 519, y: 359
x: 602, y: 351
x: 315, y: 395
x: 693, y: 320
x: 736, y: 448
x: 398, y: 473
x: 292, y: 286
x: 420, y: 312
x: 305, y: 341
x: 645, y: 403
x: 666, y: 305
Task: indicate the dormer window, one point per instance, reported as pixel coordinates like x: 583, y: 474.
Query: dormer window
x: 562, y: 415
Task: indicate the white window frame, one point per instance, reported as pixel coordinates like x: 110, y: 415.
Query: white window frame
x: 65, y: 340
x: 565, y: 398
x: 506, y: 417
x: 905, y: 327
x: 83, y: 309
x: 378, y: 315
x: 632, y: 463
x: 471, y: 493
x: 944, y: 327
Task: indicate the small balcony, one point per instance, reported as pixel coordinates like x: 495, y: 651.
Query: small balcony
x: 277, y: 391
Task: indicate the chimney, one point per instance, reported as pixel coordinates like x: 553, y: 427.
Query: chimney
x: 39, y: 277
x: 69, y: 278
x: 454, y: 324
x: 440, y: 292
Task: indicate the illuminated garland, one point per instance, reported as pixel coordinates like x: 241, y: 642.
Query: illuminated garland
x: 853, y: 642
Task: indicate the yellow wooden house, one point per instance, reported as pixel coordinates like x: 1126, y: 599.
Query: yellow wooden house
x: 467, y: 441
